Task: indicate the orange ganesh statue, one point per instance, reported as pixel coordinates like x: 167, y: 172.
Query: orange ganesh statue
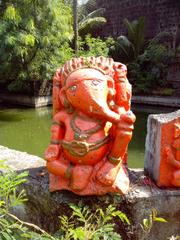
x: 92, y: 127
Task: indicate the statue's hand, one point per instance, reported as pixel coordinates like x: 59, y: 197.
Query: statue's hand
x: 128, y: 117
x: 126, y: 121
x: 52, y: 152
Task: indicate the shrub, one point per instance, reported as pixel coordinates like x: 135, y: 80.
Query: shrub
x: 34, y: 39
x: 127, y: 48
x: 91, y: 46
x: 149, y: 70
x: 147, y: 61
x: 83, y: 223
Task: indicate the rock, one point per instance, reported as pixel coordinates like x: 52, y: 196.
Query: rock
x: 43, y: 207
x: 18, y: 161
x: 162, y: 149
x: 140, y: 202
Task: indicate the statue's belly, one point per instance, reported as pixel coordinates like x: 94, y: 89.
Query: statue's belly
x: 90, y: 153
x: 81, y: 148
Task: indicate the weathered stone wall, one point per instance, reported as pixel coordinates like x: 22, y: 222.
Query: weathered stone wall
x: 25, y: 100
x: 161, y: 15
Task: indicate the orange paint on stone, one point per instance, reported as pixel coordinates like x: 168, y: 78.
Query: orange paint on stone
x: 92, y: 127
x: 169, y: 173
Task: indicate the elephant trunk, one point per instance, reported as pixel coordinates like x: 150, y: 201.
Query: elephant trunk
x: 104, y: 112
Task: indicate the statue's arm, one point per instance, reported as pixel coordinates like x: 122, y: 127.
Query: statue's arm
x: 57, y: 134
x: 123, y: 130
x: 123, y: 94
x: 123, y: 88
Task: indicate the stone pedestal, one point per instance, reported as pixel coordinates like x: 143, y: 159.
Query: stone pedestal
x: 142, y: 199
x: 162, y: 155
x: 25, y: 100
x: 43, y: 207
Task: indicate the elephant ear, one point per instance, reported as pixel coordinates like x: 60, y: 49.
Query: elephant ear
x: 57, y: 105
x: 122, y: 86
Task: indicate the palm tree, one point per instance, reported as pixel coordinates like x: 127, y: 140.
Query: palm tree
x: 89, y: 19
x: 75, y: 25
x: 132, y: 45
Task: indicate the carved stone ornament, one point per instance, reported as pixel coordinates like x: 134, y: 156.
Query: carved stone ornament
x: 162, y: 158
x: 173, y: 155
x: 92, y: 127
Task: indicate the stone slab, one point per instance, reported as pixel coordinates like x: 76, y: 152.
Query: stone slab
x: 142, y: 199
x: 43, y: 207
x: 24, y: 100
x: 157, y: 101
x: 19, y: 161
x: 160, y: 137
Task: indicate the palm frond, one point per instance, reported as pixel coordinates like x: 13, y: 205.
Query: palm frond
x: 88, y: 7
x: 96, y: 13
x: 139, y: 35
x: 126, y: 48
x: 130, y: 27
x: 91, y: 23
x: 136, y: 33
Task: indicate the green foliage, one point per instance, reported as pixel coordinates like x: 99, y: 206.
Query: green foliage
x: 174, y: 238
x: 127, y: 49
x: 163, y: 91
x: 148, y: 222
x: 147, y: 62
x: 162, y: 38
x: 94, y: 46
x: 34, y: 38
x: 91, y: 21
x: 11, y: 227
x: 90, y: 18
x: 87, y: 7
x: 86, y: 20
x: 8, y: 199
x: 149, y: 70
x: 85, y: 224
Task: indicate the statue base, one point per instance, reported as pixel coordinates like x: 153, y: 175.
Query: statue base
x: 120, y: 185
x: 44, y: 207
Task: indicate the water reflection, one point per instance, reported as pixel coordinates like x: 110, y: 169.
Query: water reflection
x: 26, y: 129
x: 43, y: 111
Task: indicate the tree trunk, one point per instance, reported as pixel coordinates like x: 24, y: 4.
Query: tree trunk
x: 75, y: 25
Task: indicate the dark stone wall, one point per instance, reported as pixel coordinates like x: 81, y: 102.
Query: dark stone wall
x: 161, y: 15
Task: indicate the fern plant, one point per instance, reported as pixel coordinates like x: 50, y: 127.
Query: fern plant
x: 84, y: 224
x: 11, y: 227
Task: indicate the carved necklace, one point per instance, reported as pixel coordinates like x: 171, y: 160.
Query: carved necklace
x: 83, y: 134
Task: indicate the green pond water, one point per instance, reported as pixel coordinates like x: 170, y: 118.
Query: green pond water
x: 28, y: 130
